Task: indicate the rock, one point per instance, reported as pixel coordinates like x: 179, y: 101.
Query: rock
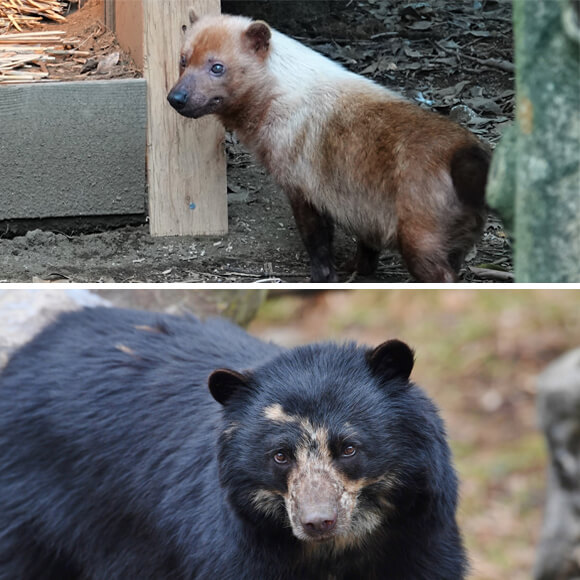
x: 24, y: 313
x: 559, y: 413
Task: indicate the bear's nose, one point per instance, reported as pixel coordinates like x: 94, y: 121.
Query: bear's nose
x: 178, y: 98
x: 319, y: 522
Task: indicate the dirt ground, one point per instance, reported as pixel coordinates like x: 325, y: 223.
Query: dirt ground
x: 452, y: 56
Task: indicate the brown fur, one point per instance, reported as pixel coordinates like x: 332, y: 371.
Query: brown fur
x: 345, y: 150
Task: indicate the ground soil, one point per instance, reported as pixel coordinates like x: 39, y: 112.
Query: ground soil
x: 451, y: 56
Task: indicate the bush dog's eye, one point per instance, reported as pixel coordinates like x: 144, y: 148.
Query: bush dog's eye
x: 218, y: 69
x: 182, y: 61
x: 348, y: 451
x: 281, y: 458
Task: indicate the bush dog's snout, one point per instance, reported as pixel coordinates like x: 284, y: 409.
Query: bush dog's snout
x: 177, y: 98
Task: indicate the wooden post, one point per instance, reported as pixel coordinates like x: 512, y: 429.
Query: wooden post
x: 186, y: 159
x: 129, y: 22
x: 109, y: 8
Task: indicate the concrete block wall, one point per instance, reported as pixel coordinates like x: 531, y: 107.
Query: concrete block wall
x: 73, y: 149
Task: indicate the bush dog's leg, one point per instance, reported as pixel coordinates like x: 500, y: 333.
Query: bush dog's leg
x: 317, y: 232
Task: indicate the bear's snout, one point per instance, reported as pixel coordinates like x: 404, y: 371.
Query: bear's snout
x: 318, y: 521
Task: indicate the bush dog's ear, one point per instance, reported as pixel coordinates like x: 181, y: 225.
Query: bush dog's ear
x: 223, y: 383
x: 391, y: 359
x: 258, y: 35
x: 192, y: 18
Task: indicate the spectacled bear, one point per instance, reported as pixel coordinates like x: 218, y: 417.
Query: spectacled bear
x: 344, y: 149
x: 142, y: 446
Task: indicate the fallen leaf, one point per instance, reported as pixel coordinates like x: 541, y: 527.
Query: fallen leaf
x: 420, y: 25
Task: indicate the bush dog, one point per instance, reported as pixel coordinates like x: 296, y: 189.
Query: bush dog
x: 343, y: 148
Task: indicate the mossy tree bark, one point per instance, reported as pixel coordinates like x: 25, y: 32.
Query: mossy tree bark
x: 535, y: 177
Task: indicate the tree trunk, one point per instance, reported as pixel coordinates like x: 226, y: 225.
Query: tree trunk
x: 535, y: 177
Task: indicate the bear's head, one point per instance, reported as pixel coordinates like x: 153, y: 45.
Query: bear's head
x: 332, y: 444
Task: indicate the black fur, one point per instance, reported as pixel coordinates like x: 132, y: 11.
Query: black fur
x: 110, y: 439
x: 469, y: 170
x: 317, y: 232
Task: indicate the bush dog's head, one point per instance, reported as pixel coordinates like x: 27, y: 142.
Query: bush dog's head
x: 221, y: 60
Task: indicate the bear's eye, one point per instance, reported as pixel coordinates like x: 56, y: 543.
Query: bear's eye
x: 348, y: 451
x: 218, y: 69
x: 183, y: 61
x: 281, y: 458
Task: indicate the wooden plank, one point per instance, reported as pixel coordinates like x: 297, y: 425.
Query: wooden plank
x: 186, y: 159
x: 74, y: 149
x: 109, y: 14
x: 129, y: 28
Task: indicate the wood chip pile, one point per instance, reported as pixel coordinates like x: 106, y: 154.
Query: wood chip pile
x: 20, y: 14
x: 24, y: 55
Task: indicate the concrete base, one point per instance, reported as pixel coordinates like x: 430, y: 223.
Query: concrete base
x: 73, y: 149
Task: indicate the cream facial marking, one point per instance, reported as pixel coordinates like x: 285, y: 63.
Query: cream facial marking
x: 277, y: 414
x: 269, y: 502
x: 322, y: 503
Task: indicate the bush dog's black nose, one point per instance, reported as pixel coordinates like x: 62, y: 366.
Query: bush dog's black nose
x: 178, y: 98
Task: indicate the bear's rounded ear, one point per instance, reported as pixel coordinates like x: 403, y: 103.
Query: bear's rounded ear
x: 223, y: 383
x: 258, y: 35
x: 391, y: 359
